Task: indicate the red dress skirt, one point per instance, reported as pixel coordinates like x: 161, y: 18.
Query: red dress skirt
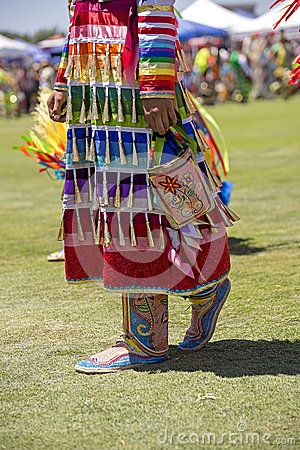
x: 114, y: 230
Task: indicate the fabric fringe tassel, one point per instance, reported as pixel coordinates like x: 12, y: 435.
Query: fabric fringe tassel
x: 87, y: 145
x: 117, y: 200
x: 150, y: 151
x: 214, y: 228
x: 105, y: 115
x: 198, y: 137
x: 135, y: 159
x: 61, y: 231
x: 199, y: 232
x: 121, y: 234
x: 131, y: 195
x: 149, y: 195
x: 87, y: 67
x: 77, y: 74
x: 179, y: 56
x: 214, y: 181
x: 96, y: 202
x: 119, y: 68
x: 69, y: 107
x: 77, y: 193
x: 107, y: 236
x: 150, y: 241
x: 185, y: 63
x: 98, y: 230
x: 106, y: 65
x: 132, y: 232
x: 107, y: 148
x: 133, y: 112
x: 105, y: 197
x: 231, y: 214
x: 69, y: 68
x: 123, y: 158
x: 203, y: 139
x: 188, y: 103
x: 227, y: 222
x: 90, y: 187
x: 75, y: 151
x: 207, y: 184
x: 94, y: 231
x: 182, y: 59
x: 92, y: 150
x: 80, y: 234
x: 89, y: 115
x: 162, y: 239
x: 191, y: 106
x: 95, y: 114
x: 82, y: 118
x: 217, y: 181
x: 209, y: 181
x: 93, y: 64
x: 120, y: 106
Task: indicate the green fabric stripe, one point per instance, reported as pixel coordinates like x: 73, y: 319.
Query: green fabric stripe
x: 113, y: 105
x: 157, y: 59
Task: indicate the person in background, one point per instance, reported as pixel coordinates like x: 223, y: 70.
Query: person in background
x: 255, y: 56
x: 243, y: 74
x: 47, y: 75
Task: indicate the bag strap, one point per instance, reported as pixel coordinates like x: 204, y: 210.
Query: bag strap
x: 181, y: 137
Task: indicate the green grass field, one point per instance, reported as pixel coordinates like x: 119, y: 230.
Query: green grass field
x: 242, y: 388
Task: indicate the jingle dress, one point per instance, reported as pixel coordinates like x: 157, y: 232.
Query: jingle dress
x: 117, y: 53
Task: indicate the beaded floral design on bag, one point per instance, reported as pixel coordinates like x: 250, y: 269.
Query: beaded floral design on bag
x: 181, y: 189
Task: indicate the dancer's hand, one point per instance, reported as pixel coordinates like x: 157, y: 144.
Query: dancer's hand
x: 159, y: 114
x: 56, y: 103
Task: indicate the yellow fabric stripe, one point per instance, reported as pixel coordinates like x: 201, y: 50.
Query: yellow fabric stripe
x: 156, y: 71
x: 158, y: 66
x: 159, y: 8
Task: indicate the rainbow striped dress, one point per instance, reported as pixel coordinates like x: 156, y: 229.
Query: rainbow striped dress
x: 117, y: 53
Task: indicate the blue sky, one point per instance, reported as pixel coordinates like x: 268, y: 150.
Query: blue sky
x: 32, y: 15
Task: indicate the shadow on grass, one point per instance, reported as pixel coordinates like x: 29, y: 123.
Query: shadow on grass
x: 239, y: 246
x: 243, y: 246
x: 235, y: 358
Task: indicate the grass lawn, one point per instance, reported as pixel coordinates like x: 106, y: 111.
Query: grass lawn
x: 243, y: 382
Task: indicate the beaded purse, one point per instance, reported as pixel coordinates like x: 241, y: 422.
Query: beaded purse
x: 181, y: 188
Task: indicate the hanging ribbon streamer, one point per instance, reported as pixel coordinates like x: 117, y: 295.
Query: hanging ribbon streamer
x: 221, y: 150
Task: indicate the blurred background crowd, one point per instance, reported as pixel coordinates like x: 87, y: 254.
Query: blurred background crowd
x: 19, y: 85
x: 255, y: 67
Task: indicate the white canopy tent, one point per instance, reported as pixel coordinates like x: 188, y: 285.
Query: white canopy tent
x: 265, y: 22
x: 53, y: 43
x: 17, y: 49
x: 10, y: 48
x: 213, y: 15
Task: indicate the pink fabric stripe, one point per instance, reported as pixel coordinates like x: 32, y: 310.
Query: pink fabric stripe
x: 131, y: 52
x: 99, y: 32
